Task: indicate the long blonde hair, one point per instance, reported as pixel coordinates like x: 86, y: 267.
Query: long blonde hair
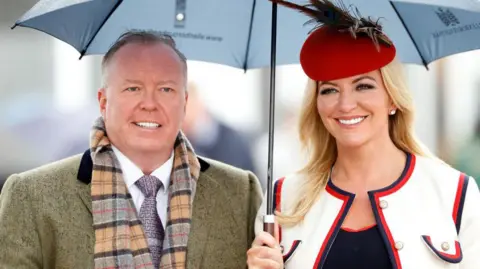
x: 321, y: 148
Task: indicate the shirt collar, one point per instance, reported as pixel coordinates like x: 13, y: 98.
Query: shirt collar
x: 132, y: 173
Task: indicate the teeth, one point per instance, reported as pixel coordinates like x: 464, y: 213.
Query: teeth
x: 352, y: 121
x: 150, y: 125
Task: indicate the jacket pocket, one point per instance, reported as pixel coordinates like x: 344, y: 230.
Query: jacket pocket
x: 448, y: 249
x: 288, y: 253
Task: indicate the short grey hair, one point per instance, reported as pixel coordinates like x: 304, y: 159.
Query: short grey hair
x: 146, y: 37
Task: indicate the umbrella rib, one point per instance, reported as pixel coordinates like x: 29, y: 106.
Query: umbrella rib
x: 409, y: 34
x: 99, y: 28
x: 249, y: 37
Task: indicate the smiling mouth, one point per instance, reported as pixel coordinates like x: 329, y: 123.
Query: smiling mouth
x: 352, y: 121
x: 148, y: 125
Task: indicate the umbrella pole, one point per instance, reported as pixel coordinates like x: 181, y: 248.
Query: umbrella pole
x: 269, y: 218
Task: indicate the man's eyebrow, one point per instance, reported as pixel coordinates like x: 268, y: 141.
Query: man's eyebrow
x: 134, y: 81
x: 161, y: 82
x: 167, y: 81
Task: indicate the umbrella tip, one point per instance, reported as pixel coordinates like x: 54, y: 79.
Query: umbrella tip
x: 13, y: 26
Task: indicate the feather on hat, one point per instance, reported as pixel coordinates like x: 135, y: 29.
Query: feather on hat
x: 341, y: 44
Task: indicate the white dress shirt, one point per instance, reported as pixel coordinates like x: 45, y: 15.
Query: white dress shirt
x: 131, y: 173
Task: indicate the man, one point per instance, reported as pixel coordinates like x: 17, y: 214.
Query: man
x: 140, y: 197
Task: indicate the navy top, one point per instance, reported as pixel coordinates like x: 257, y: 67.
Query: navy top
x: 362, y: 249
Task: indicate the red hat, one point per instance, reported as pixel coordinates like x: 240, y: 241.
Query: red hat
x: 344, y: 45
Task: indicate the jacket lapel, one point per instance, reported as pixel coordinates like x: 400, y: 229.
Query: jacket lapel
x: 203, y: 214
x: 84, y: 193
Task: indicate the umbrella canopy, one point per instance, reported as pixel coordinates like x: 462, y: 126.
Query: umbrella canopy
x: 237, y: 33
x: 250, y: 34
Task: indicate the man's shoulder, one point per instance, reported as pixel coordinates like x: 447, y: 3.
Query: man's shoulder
x: 212, y: 166
x: 62, y: 172
x: 225, y: 174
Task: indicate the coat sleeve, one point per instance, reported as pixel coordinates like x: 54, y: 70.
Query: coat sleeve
x: 470, y: 227
x: 19, y: 238
x: 259, y: 215
x: 255, y: 202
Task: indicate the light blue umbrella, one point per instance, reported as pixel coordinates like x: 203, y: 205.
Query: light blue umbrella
x: 250, y: 34
x: 238, y: 33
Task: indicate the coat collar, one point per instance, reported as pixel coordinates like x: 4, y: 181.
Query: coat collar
x: 86, y: 165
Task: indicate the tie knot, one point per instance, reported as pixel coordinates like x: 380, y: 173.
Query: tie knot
x: 149, y: 185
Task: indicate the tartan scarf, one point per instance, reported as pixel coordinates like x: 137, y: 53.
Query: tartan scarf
x: 120, y: 242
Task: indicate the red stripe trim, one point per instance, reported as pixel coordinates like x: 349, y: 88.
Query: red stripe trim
x: 388, y: 233
x: 277, y: 202
x: 451, y: 258
x: 351, y: 230
x: 402, y: 181
x: 457, y: 197
x: 379, y: 212
x: 335, y: 227
x: 459, y: 200
x: 292, y: 250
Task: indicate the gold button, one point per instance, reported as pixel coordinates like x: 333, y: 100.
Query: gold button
x: 445, y: 246
x: 383, y: 204
x: 398, y: 245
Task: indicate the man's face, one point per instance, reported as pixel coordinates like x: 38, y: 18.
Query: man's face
x: 143, y: 102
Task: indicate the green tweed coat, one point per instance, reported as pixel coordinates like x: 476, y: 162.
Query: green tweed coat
x: 46, y: 219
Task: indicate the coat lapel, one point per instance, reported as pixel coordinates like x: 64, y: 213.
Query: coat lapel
x: 83, y: 191
x: 203, y: 214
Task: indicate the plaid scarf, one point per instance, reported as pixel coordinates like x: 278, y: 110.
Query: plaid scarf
x: 120, y: 242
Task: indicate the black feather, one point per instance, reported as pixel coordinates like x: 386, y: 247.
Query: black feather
x: 326, y: 13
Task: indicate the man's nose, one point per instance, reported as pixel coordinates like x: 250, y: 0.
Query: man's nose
x: 148, y: 100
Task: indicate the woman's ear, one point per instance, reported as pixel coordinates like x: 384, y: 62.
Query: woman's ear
x: 392, y: 108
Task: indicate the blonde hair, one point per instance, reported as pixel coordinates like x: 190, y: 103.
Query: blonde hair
x: 321, y: 147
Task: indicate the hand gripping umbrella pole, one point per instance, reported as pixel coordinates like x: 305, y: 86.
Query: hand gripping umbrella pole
x: 269, y: 218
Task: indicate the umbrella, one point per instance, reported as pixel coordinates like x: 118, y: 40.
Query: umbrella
x: 250, y: 34
x: 237, y: 33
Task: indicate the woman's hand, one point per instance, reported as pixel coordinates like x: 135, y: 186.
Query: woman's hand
x: 265, y: 252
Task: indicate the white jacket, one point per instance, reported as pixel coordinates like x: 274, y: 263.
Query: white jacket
x: 429, y: 218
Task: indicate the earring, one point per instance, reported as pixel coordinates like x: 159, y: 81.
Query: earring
x: 393, y: 111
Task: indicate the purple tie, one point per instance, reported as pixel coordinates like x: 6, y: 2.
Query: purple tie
x: 149, y: 185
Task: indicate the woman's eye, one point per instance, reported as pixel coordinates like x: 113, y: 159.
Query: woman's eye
x: 365, y: 87
x: 327, y: 91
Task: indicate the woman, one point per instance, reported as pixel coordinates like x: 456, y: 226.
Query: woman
x: 371, y: 196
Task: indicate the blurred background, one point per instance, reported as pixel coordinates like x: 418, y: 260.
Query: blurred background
x: 48, y: 103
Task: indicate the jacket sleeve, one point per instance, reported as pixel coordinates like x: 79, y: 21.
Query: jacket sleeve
x: 255, y: 202
x: 470, y: 227
x: 19, y: 238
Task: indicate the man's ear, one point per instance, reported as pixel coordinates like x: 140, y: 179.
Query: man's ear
x: 102, y: 100
x: 186, y: 102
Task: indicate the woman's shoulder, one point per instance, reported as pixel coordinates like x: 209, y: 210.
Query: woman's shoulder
x: 440, y: 174
x: 436, y: 166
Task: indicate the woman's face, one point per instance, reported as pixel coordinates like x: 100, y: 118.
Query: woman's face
x: 355, y: 110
